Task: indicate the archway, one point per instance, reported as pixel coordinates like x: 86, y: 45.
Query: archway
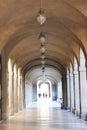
x: 44, y: 90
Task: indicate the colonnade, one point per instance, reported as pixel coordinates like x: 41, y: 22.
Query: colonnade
x: 12, y: 95
x: 77, y: 87
x: 14, y: 92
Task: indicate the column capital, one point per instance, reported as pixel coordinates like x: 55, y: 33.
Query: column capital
x: 75, y: 72
x: 21, y: 77
x: 82, y: 69
x: 10, y: 73
x: 15, y: 74
x: 71, y: 74
x: 67, y: 75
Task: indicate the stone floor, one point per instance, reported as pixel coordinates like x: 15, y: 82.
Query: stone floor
x: 44, y: 118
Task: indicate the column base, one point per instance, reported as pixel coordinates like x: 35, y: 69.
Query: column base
x: 73, y: 110
x: 4, y: 116
x: 84, y: 116
x: 76, y: 113
x: 79, y: 115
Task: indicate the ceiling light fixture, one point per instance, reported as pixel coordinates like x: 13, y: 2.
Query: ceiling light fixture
x: 42, y: 49
x: 43, y: 56
x: 43, y: 62
x: 41, y: 18
x: 43, y: 65
x: 43, y: 69
x: 42, y: 38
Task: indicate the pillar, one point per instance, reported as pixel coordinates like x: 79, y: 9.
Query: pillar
x: 83, y: 84
x: 4, y: 88
x: 72, y: 92
x: 22, y: 92
x: 64, y: 90
x: 77, y: 105
x: 68, y: 91
x: 10, y: 93
x: 15, y: 89
x: 19, y: 91
x: 0, y: 90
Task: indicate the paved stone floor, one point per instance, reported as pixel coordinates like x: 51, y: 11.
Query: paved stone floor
x: 44, y: 118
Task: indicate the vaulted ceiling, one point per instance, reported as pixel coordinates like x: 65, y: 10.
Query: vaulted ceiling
x: 33, y: 77
x: 65, y: 30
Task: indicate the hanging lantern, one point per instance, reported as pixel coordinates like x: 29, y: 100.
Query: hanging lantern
x: 42, y: 49
x: 43, y: 62
x: 43, y: 56
x: 41, y: 18
x: 43, y: 69
x: 42, y: 38
x: 43, y: 65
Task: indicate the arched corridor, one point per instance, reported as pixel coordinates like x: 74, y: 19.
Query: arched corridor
x: 43, y: 61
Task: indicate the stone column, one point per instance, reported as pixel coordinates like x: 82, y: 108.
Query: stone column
x: 0, y: 90
x: 83, y: 84
x: 9, y: 93
x: 59, y: 90
x: 21, y: 89
x: 68, y: 91
x: 72, y: 92
x: 80, y: 106
x: 76, y: 80
x: 15, y: 91
x: 12, y: 93
x: 4, y: 88
x: 19, y: 92
x: 64, y: 88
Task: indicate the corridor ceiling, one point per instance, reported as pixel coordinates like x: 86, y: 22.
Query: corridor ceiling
x: 65, y: 30
x: 33, y: 77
